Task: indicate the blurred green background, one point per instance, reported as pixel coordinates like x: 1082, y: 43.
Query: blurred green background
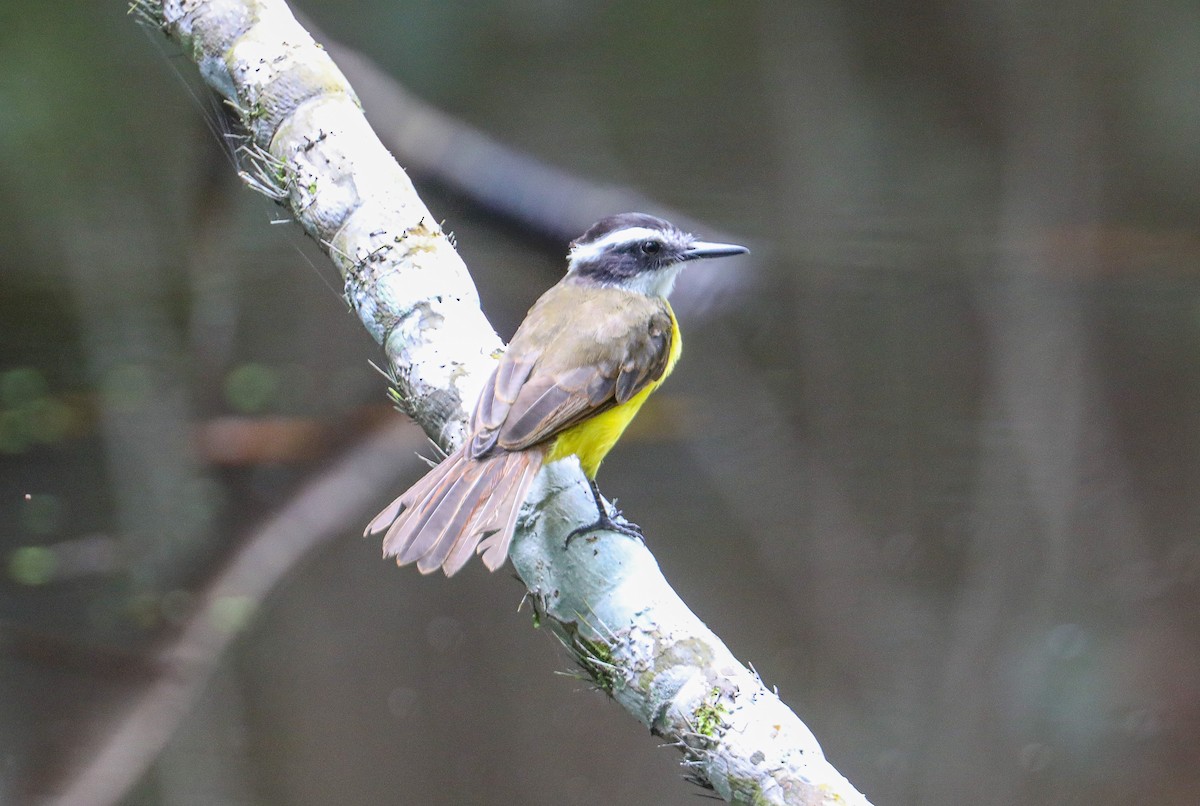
x: 934, y: 469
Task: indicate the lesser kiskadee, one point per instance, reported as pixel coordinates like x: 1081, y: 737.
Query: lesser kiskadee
x: 585, y: 359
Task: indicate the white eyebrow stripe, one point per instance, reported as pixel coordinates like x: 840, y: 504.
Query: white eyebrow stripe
x: 585, y: 252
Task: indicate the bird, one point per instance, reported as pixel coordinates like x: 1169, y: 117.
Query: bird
x: 579, y: 367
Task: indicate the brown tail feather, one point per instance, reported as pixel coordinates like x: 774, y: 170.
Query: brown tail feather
x: 459, y: 492
x: 400, y: 519
x: 442, y: 519
x: 494, y: 548
x: 491, y: 525
x: 453, y: 522
x: 469, y: 527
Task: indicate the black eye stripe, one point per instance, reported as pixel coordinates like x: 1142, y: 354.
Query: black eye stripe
x: 646, y: 246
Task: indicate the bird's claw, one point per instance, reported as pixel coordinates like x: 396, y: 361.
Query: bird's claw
x: 607, y: 523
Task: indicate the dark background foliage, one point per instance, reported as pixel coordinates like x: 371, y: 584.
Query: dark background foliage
x: 934, y: 469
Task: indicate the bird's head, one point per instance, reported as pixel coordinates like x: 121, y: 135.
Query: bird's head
x: 639, y: 253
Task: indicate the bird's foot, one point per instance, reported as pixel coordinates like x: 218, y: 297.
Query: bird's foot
x: 608, y: 523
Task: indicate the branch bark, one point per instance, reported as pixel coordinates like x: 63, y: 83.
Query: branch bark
x: 310, y: 148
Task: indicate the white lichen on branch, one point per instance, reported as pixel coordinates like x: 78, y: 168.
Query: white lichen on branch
x: 309, y: 148
x: 637, y: 641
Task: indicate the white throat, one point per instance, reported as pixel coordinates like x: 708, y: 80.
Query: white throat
x: 654, y: 283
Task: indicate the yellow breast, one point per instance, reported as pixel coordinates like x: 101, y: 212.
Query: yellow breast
x: 592, y: 439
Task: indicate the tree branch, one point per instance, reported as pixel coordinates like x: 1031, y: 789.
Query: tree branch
x: 310, y: 148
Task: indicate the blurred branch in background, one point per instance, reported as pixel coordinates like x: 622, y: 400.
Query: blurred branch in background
x: 1043, y: 380
x: 551, y: 203
x: 308, y: 149
x: 124, y: 745
x: 1046, y: 488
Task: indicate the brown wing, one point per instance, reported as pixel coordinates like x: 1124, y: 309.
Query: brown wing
x: 578, y: 352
